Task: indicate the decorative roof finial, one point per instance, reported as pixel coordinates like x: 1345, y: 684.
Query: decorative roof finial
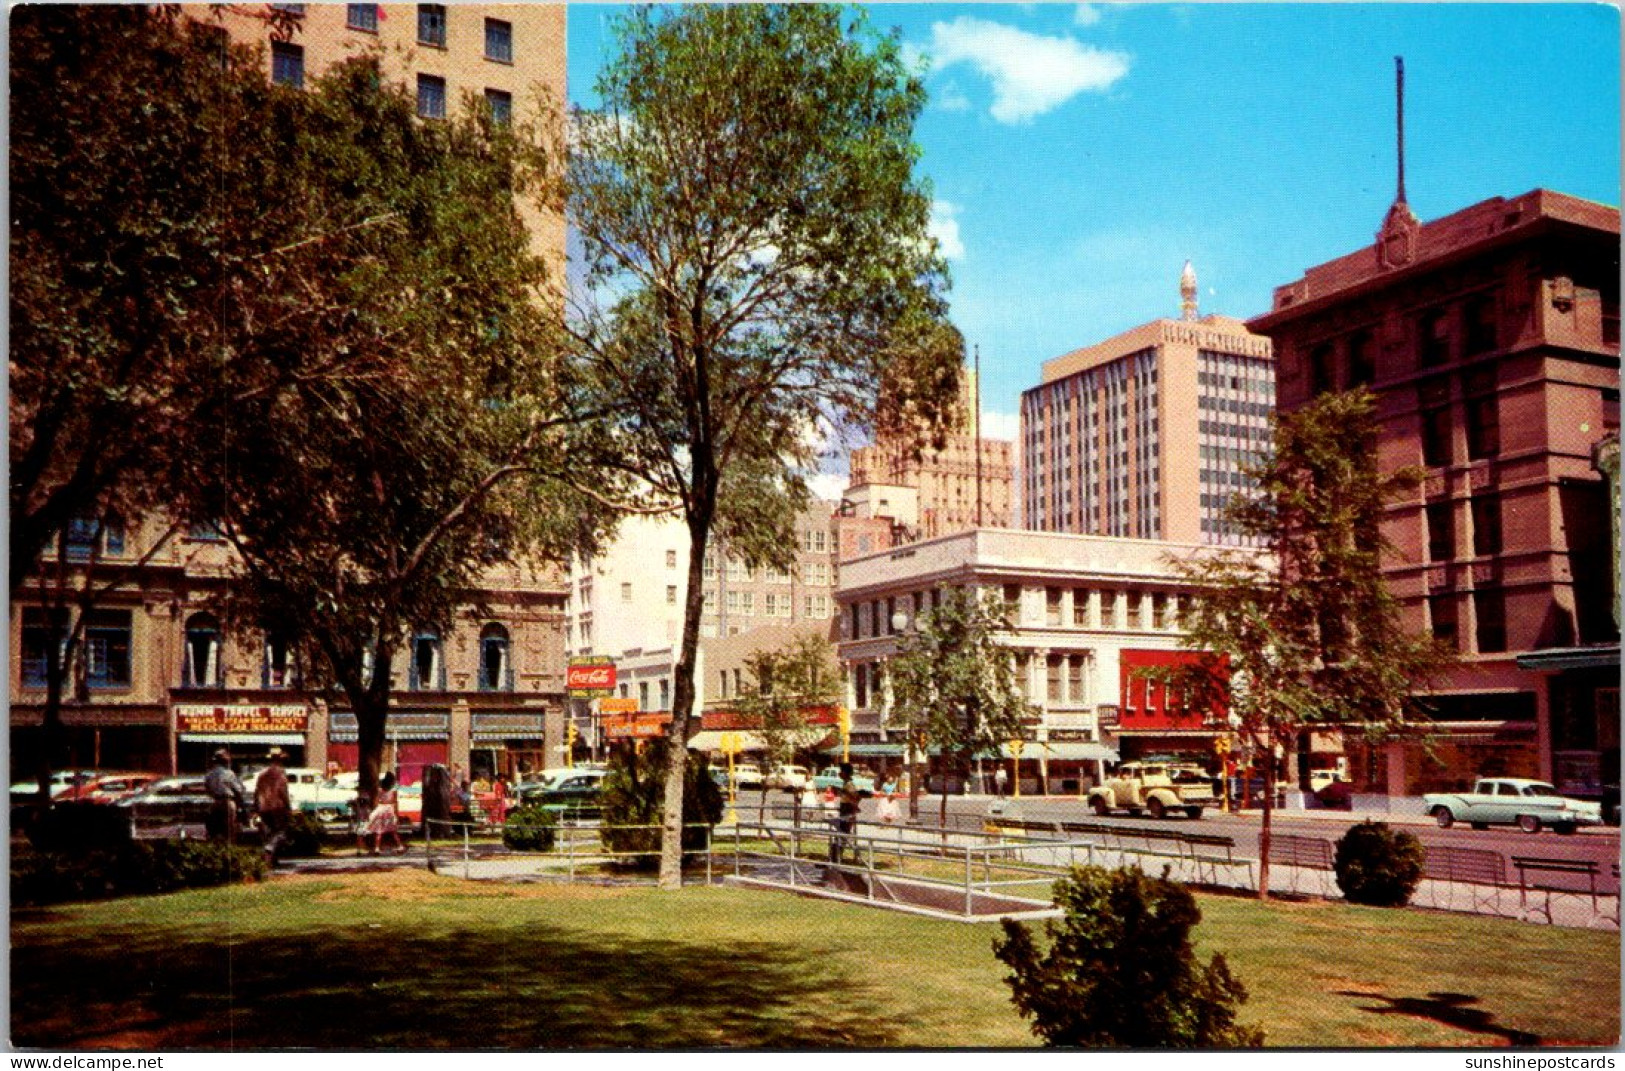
x: 1187, y: 292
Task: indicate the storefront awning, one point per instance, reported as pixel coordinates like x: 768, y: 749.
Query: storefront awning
x: 291, y: 739
x: 1558, y: 659
x: 878, y: 750
x: 711, y: 740
x: 1069, y: 750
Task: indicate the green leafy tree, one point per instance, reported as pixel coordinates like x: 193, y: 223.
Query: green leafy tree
x: 634, y: 803
x: 759, y: 271
x: 786, y: 683
x: 1119, y: 969
x: 424, y: 426
x: 953, y: 684
x: 1306, y: 635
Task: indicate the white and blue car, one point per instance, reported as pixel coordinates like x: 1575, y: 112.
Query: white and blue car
x: 1529, y: 805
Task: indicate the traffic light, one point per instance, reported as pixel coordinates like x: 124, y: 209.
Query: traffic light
x: 571, y: 734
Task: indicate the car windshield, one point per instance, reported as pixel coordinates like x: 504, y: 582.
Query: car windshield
x: 1539, y: 790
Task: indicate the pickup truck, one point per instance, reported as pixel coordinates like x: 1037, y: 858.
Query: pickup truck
x: 1530, y: 805
x: 1156, y: 788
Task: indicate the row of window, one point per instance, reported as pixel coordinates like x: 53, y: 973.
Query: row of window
x: 1484, y: 512
x: 1479, y: 405
x: 1063, y: 607
x: 1441, y: 335
x: 1489, y: 619
x: 105, y: 659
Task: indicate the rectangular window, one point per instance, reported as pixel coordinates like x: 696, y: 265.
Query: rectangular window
x: 1080, y: 607
x: 432, y: 25
x: 107, y: 649
x: 1441, y: 531
x: 499, y: 40
x: 288, y: 64
x: 1483, y: 414
x: 1436, y: 434
x: 1480, y: 316
x: 1442, y: 611
x: 1052, y: 607
x: 1074, y: 682
x: 665, y: 694
x: 747, y: 602
x: 361, y: 17
x: 733, y: 602
x: 1362, y: 361
x: 1489, y: 607
x: 431, y: 97
x: 500, y: 102
x: 40, y: 630
x: 1052, y: 669
x: 80, y: 538
x: 1159, y: 611
x: 1133, y: 607
x: 1486, y: 525
x: 671, y: 559
x: 770, y: 604
x: 671, y: 594
x: 1433, y: 341
x: 626, y: 592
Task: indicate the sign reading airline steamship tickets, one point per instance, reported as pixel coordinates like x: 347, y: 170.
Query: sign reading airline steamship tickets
x: 590, y: 676
x: 229, y: 718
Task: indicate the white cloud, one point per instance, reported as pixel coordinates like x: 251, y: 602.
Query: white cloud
x: 829, y: 486
x: 944, y: 227
x: 1000, y: 425
x: 1087, y: 14
x: 953, y: 99
x: 1031, y: 74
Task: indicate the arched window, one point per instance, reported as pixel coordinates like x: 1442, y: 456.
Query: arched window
x: 496, y: 665
x: 202, y: 656
x: 428, y: 668
x: 278, y: 667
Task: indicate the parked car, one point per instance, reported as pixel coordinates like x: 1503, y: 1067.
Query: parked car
x: 409, y: 803
x: 61, y: 781
x: 303, y: 782
x: 790, y: 778
x: 332, y: 800
x: 170, y: 807
x: 1530, y: 805
x: 579, y: 795
x: 746, y: 774
x: 108, y: 788
x: 830, y: 777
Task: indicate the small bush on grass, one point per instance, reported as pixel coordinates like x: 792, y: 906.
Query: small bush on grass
x: 1377, y: 865
x: 1120, y: 970
x: 531, y: 829
x: 137, y: 868
x: 305, y: 836
x: 634, y: 795
x: 80, y: 827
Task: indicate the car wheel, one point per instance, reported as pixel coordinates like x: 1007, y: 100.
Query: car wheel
x: 1529, y: 823
x: 1443, y: 816
x: 1157, y: 809
x: 1098, y: 805
x: 1193, y: 812
x: 1566, y: 829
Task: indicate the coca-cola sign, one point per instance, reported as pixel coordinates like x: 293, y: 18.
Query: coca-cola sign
x: 590, y: 676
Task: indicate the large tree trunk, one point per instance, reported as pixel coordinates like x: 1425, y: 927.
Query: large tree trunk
x: 683, y: 692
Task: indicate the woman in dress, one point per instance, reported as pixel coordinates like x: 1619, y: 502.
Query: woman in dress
x: 384, y: 818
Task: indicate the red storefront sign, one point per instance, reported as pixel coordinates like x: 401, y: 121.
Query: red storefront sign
x: 588, y: 677
x: 733, y: 719
x: 1145, y: 702
x: 635, y: 726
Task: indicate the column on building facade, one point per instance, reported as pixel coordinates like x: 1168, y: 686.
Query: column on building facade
x: 1094, y: 608
x: 1040, y: 667
x: 316, y: 730
x: 460, y: 735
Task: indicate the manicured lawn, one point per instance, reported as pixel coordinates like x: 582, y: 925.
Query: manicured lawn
x: 411, y: 960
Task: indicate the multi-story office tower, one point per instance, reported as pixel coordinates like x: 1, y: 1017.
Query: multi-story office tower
x: 1146, y: 435
x: 1491, y: 339
x: 967, y: 484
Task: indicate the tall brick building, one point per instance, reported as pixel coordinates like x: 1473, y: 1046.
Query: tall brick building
x: 1491, y: 339
x: 162, y: 682
x: 1145, y: 435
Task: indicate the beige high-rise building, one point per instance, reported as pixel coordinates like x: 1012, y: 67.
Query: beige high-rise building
x: 939, y: 491
x: 1146, y: 435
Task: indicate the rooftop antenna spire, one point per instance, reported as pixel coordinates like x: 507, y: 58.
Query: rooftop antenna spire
x: 1399, y: 106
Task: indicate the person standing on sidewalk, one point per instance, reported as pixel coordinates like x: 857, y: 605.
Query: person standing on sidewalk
x: 272, y: 805
x: 847, y: 802
x: 1000, y: 780
x: 227, y: 796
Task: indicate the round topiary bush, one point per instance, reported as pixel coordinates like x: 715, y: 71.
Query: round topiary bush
x: 531, y: 829
x: 1377, y: 865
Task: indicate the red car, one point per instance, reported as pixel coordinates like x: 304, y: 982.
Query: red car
x: 108, y: 788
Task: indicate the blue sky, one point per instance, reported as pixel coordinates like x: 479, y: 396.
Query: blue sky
x: 1080, y: 153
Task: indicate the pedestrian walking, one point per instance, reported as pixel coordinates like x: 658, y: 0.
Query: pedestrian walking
x: 227, y: 798
x: 384, y: 818
x: 272, y: 805
x: 847, y: 801
x: 1000, y: 780
x: 886, y: 808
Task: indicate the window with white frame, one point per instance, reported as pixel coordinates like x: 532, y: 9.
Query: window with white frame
x: 201, y: 668
x: 496, y: 666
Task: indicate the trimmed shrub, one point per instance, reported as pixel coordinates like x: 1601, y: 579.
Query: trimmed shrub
x: 141, y: 867
x: 79, y: 827
x: 531, y: 829
x: 1377, y: 865
x: 1120, y: 971
x: 634, y: 795
x: 305, y: 836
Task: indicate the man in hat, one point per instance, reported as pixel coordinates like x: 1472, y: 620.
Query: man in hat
x: 272, y: 805
x: 229, y: 797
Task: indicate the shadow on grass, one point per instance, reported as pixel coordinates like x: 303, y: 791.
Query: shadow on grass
x: 1451, y: 1009
x: 389, y: 988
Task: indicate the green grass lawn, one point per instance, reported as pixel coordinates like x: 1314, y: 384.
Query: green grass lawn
x: 410, y: 960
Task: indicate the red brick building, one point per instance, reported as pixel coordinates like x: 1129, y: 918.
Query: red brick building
x: 1491, y: 339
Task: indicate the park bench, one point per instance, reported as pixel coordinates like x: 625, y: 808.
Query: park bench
x: 1482, y: 871
x: 1302, y: 853
x: 1542, y: 876
x: 1210, y: 851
